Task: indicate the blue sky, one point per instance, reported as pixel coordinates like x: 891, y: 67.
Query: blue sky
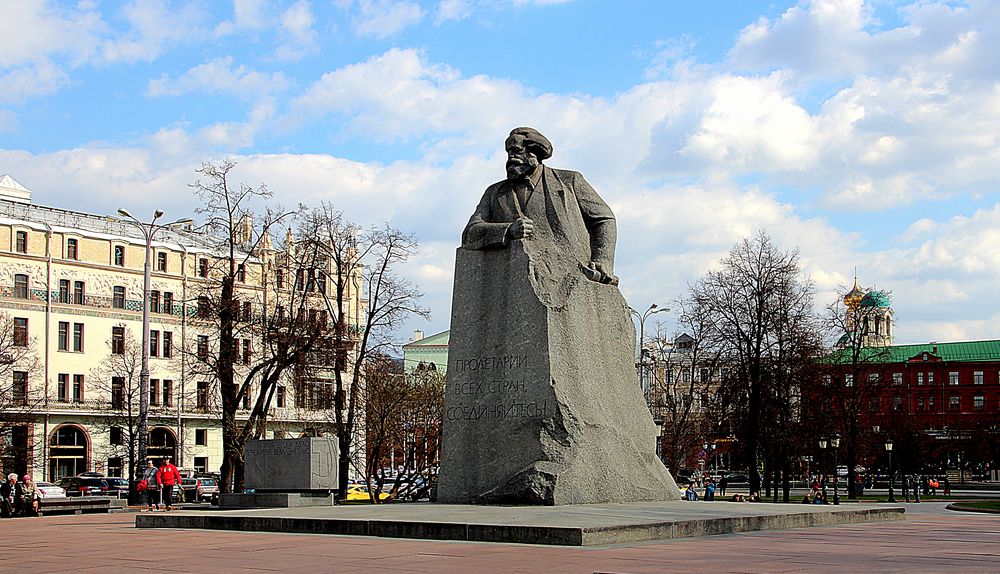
x: 862, y: 133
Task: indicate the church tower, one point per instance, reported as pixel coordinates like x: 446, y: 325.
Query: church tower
x: 869, y: 314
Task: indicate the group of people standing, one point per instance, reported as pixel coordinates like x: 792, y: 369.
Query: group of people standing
x: 19, y: 498
x: 158, y: 484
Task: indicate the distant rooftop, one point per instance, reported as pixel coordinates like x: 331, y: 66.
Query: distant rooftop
x: 12, y: 190
x: 955, y: 352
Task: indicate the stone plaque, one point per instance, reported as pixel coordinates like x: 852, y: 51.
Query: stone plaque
x: 292, y: 465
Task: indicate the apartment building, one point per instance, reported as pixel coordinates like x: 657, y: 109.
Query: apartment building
x: 71, y: 284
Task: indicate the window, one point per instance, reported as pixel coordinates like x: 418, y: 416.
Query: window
x: 323, y: 318
x: 168, y: 344
x: 118, y: 340
x: 161, y: 261
x: 78, y: 337
x: 117, y: 392
x: 848, y: 380
x: 203, y: 347
x: 71, y: 249
x: 920, y: 403
x: 20, y: 332
x: 118, y: 299
x: 977, y: 378
x: 321, y: 283
x: 930, y: 378
x: 168, y: 393
x: 280, y: 398
x: 281, y: 312
x: 204, y: 309
x: 311, y: 281
x: 21, y: 242
x: 201, y: 398
x: 920, y: 378
x: 873, y: 378
x: 201, y: 437
x: 154, y: 301
x: 117, y: 436
x: 201, y: 464
x: 203, y: 267
x: 279, y: 278
x: 78, y: 293
x: 77, y: 388
x: 246, y: 351
x: 64, y: 290
x: 897, y: 404
x: 120, y: 255
x: 897, y: 379
x: 978, y: 402
x: 874, y: 405
x: 241, y: 273
x: 300, y: 275
x: 168, y: 303
x: 930, y: 403
x: 247, y: 311
x: 154, y: 392
x: 954, y: 403
x: 953, y: 378
x: 19, y: 391
x: 62, y: 388
x: 63, y: 341
x: 827, y: 380
x: 246, y: 398
x: 313, y: 316
x: 21, y: 286
x: 154, y: 343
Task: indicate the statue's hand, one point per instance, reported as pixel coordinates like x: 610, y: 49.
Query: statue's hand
x: 521, y: 228
x: 598, y: 273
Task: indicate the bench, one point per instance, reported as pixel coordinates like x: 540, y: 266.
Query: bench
x: 78, y: 505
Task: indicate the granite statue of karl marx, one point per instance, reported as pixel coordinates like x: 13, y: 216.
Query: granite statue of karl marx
x: 553, y: 207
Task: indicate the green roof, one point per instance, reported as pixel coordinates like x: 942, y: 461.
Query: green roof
x: 957, y: 352
x: 875, y: 299
x: 435, y: 339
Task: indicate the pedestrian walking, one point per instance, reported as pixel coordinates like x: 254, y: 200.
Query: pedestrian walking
x: 152, y: 488
x: 947, y: 486
x: 723, y: 483
x: 906, y: 487
x: 167, y: 476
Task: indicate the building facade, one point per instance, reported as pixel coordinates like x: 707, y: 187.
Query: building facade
x: 71, y: 287
x: 429, y: 352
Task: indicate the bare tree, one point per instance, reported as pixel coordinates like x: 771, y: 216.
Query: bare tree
x: 403, y: 417
x: 859, y: 322
x: 18, y: 397
x: 367, y: 300
x: 240, y: 241
x: 752, y: 304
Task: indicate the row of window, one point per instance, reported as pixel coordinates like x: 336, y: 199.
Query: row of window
x: 978, y: 378
x: 926, y: 404
x: 75, y: 293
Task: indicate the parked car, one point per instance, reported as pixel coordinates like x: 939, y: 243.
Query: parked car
x: 737, y: 480
x: 49, y: 490
x: 84, y: 486
x: 117, y: 486
x: 199, y: 489
x: 360, y: 492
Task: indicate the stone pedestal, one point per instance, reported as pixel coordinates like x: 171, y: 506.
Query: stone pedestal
x: 542, y: 403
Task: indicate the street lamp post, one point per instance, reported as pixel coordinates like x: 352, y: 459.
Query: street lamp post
x: 653, y: 308
x: 888, y: 449
x: 835, y: 443
x: 819, y: 466
x: 148, y: 231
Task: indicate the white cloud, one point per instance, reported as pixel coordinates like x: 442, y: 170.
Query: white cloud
x: 39, y: 79
x: 452, y: 10
x: 247, y: 15
x: 154, y: 26
x: 218, y: 76
x: 36, y: 31
x: 384, y: 18
x: 297, y: 34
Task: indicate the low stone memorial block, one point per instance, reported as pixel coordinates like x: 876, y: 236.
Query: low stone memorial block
x: 291, y: 465
x: 542, y: 403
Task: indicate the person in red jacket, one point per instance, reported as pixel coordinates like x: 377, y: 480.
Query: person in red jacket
x: 167, y: 476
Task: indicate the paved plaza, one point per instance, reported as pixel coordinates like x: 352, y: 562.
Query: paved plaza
x: 930, y: 539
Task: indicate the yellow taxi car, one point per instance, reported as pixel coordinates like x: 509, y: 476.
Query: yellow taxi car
x: 359, y: 493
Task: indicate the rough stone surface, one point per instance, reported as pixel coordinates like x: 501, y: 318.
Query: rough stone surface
x: 292, y: 465
x: 542, y: 403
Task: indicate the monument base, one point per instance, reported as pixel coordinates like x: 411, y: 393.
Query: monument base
x: 568, y: 525
x: 275, y: 500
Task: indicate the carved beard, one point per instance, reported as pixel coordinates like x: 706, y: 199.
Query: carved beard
x: 517, y: 169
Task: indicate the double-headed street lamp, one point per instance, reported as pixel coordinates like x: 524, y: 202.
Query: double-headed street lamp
x: 653, y: 309
x: 834, y: 443
x: 148, y: 231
